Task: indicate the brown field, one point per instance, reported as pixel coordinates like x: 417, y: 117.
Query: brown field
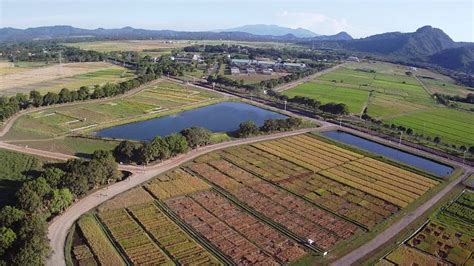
x: 55, y: 77
x: 131, y: 45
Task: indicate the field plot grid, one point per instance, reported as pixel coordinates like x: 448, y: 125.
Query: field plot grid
x: 270, y: 202
x: 448, y: 238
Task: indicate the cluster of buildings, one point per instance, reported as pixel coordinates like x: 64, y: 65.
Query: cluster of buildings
x: 249, y: 66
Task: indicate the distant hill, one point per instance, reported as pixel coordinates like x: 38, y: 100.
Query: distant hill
x: 461, y: 59
x: 67, y: 32
x: 423, y: 42
x: 273, y: 30
x: 341, y: 36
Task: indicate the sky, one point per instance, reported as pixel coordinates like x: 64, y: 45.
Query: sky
x: 360, y: 18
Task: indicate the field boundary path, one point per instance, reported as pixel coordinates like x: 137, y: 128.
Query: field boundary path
x: 59, y: 226
x: 290, y: 85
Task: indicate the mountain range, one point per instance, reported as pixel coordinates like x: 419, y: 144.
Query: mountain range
x: 426, y: 45
x: 274, y: 30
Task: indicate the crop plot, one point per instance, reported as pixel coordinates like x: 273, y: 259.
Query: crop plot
x: 175, y: 183
x: 448, y: 238
x: 236, y: 233
x: 100, y: 246
x: 138, y: 246
x: 293, y: 213
x: 170, y: 237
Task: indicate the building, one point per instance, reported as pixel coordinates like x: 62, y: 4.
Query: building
x: 268, y: 71
x: 234, y: 71
x: 353, y: 59
x: 251, y: 71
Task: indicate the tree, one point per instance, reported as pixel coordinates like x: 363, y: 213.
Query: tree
x: 126, y: 151
x: 60, y: 200
x: 409, y: 131
x: 76, y: 179
x: 159, y: 149
x: 471, y: 150
x: 270, y: 125
x: 248, y: 128
x: 294, y: 122
x: 50, y: 98
x: 176, y: 143
x: 33, y: 246
x: 32, y: 194
x: 145, y: 154
x: 437, y: 140
x: 36, y: 98
x: 7, y: 238
x: 197, y: 136
x: 10, y: 215
x: 53, y: 176
x: 65, y: 96
x: 102, y: 168
x: 83, y: 93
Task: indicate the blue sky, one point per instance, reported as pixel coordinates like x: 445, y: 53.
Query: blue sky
x: 359, y: 18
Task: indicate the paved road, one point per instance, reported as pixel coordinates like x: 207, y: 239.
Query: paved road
x: 58, y: 228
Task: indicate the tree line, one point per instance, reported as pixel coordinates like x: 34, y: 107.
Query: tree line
x: 149, y: 72
x: 446, y: 99
x: 24, y: 227
x: 250, y: 128
x: 49, y: 52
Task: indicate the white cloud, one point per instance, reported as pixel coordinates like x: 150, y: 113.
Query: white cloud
x: 316, y: 22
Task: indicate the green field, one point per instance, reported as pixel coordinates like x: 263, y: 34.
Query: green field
x: 47, y: 129
x: 396, y: 98
x: 354, y: 98
x: 15, y: 168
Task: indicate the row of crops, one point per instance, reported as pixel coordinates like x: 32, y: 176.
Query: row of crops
x: 271, y: 202
x: 447, y: 239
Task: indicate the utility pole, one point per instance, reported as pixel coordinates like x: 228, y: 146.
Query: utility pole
x: 285, y: 104
x: 400, y: 141
x: 340, y: 121
x: 464, y: 157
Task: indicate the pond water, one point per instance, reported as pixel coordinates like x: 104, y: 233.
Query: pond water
x: 220, y: 117
x: 421, y: 163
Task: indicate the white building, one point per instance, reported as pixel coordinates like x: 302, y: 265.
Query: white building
x: 234, y: 71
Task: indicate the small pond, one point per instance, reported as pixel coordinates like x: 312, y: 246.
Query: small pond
x: 220, y: 117
x: 435, y: 168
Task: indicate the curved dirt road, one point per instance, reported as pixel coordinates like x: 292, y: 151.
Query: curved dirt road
x: 59, y: 227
